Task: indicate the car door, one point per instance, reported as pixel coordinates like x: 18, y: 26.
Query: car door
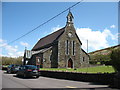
x: 21, y: 70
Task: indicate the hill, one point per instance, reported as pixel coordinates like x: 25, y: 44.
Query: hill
x: 105, y: 51
x: 102, y: 56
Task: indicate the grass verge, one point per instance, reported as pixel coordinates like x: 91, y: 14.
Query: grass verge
x: 97, y: 69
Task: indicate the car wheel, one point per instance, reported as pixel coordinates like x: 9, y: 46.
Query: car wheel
x: 17, y: 75
x: 9, y: 71
x: 37, y: 76
x: 24, y: 76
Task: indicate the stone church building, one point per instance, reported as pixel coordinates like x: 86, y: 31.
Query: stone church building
x: 61, y: 49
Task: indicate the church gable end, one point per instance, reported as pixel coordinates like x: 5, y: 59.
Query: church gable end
x: 69, y: 46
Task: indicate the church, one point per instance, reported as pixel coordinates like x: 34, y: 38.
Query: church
x: 60, y: 49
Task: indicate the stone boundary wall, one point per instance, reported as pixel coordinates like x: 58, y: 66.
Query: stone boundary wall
x: 104, y: 78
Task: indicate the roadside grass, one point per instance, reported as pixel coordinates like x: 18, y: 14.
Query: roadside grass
x: 5, y: 66
x: 97, y: 69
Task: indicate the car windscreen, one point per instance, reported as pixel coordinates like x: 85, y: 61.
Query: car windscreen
x: 31, y: 67
x: 11, y: 65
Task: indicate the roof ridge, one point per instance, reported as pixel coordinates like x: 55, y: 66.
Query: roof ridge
x: 51, y: 33
x: 50, y: 38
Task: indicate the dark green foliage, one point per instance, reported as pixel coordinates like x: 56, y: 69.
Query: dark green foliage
x: 103, y: 59
x: 103, y: 56
x: 115, y: 59
x: 10, y: 60
x: 93, y: 62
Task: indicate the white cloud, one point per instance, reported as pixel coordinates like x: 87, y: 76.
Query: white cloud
x: 17, y: 54
x: 55, y: 28
x: 24, y: 44
x: 96, y: 39
x: 10, y: 51
x: 108, y: 33
x: 1, y: 40
x: 112, y: 26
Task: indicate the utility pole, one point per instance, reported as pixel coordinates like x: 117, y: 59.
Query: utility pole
x: 87, y: 52
x: 87, y: 45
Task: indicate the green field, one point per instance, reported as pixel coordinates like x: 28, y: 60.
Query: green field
x: 97, y: 69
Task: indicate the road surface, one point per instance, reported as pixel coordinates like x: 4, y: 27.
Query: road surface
x: 11, y: 81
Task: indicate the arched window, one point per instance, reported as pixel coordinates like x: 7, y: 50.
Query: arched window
x: 67, y: 47
x: 83, y: 59
x: 73, y: 47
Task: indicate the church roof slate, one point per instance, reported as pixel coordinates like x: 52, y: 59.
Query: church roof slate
x: 48, y: 39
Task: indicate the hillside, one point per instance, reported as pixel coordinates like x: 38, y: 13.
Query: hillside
x: 102, y: 56
x: 105, y: 51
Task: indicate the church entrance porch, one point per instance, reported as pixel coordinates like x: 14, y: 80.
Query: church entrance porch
x: 70, y: 63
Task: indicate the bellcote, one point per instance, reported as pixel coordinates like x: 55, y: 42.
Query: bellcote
x: 70, y: 18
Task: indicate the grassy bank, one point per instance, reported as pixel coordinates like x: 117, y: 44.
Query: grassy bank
x: 97, y: 69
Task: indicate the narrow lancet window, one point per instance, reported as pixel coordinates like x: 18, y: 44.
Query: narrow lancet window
x: 73, y: 47
x: 67, y: 47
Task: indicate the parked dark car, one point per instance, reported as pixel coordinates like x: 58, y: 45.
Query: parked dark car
x: 28, y: 71
x: 13, y: 68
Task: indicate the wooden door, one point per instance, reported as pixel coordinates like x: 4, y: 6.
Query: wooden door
x: 70, y: 63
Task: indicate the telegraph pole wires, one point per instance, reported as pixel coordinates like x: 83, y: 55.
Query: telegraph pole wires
x: 44, y: 23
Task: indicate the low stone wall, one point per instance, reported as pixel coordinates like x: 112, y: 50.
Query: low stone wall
x: 116, y: 82
x: 105, y: 78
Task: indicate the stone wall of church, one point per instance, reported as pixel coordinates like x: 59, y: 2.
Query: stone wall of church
x: 63, y: 57
x: 54, y: 55
x: 84, y: 58
x: 47, y: 58
x: 50, y: 57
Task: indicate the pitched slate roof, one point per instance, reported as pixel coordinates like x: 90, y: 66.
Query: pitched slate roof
x: 48, y: 39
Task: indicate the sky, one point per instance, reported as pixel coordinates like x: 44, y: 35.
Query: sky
x: 96, y: 22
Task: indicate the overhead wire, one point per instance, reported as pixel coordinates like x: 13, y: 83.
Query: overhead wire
x: 44, y: 23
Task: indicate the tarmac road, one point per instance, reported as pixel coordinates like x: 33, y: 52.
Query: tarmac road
x: 11, y: 81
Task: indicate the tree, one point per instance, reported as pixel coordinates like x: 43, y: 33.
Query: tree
x: 115, y: 59
x: 102, y: 59
x: 11, y: 60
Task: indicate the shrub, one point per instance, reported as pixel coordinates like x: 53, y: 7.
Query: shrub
x: 100, y: 58
x: 115, y: 59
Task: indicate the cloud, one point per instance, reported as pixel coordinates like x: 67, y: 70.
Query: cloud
x: 112, y: 26
x: 55, y: 28
x: 96, y: 39
x: 1, y: 40
x: 24, y: 44
x: 11, y: 54
x: 108, y: 33
x: 9, y: 51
